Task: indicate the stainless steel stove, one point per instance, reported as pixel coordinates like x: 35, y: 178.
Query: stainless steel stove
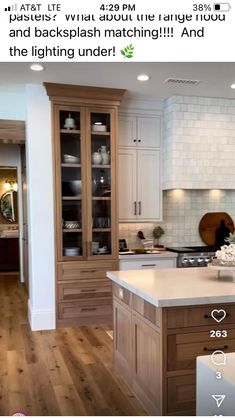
x: 194, y: 256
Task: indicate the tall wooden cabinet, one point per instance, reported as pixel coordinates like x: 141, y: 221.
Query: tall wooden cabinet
x: 84, y: 148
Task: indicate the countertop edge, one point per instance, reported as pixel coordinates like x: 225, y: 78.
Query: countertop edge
x: 190, y: 301
x: 164, y: 255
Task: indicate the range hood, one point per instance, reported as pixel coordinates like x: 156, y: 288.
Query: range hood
x: 199, y: 143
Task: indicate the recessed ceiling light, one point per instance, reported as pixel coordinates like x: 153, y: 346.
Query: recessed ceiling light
x: 232, y: 86
x: 37, y: 67
x: 143, y: 77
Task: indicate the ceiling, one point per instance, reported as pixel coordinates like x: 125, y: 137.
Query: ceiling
x: 216, y: 78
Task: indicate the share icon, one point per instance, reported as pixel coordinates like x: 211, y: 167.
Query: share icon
x: 219, y: 399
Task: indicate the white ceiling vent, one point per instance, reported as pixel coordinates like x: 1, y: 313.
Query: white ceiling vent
x: 181, y: 81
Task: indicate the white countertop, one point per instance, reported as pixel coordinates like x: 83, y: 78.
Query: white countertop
x: 160, y: 254
x: 177, y: 286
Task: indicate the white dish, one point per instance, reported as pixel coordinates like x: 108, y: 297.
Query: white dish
x: 99, y: 128
x: 72, y: 251
x: 70, y: 159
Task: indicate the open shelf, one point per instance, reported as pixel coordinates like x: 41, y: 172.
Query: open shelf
x: 100, y: 133
x: 69, y: 131
x: 71, y: 165
x: 101, y: 166
x: 100, y: 198
x: 69, y: 230
x: 101, y: 229
x: 72, y: 197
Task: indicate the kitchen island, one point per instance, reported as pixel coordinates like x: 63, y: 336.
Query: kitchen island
x: 162, y: 321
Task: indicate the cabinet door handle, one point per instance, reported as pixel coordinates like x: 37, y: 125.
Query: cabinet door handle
x: 87, y: 290
x: 139, y: 208
x: 148, y: 265
x: 135, y: 208
x: 139, y: 140
x: 225, y: 347
x: 134, y: 140
x: 88, y: 271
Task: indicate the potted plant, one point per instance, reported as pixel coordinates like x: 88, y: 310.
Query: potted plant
x: 158, y: 231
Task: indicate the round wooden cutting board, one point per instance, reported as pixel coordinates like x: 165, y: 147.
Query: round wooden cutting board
x: 210, y: 222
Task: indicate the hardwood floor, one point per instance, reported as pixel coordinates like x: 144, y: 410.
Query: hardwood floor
x: 63, y: 372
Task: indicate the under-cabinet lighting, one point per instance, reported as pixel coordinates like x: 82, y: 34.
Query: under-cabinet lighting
x: 98, y: 123
x: 143, y: 77
x: 37, y: 67
x: 232, y: 86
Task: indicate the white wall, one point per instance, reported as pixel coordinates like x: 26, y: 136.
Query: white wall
x: 10, y: 157
x: 12, y: 102
x: 40, y: 209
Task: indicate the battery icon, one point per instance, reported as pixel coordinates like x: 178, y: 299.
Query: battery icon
x: 222, y: 7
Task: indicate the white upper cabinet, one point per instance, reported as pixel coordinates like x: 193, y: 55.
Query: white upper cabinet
x: 148, y: 193
x: 139, y: 185
x: 140, y: 192
x: 139, y: 131
x: 127, y: 131
x: 127, y: 170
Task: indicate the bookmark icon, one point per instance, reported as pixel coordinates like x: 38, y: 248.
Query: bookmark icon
x: 219, y: 399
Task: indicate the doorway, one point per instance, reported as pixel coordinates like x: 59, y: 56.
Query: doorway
x: 14, y: 224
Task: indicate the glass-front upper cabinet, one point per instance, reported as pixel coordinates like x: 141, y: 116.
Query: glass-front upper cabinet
x: 85, y: 183
x: 72, y: 158
x: 101, y: 154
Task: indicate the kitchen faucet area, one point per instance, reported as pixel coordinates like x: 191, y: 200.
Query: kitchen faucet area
x: 117, y: 239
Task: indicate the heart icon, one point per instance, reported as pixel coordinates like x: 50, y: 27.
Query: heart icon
x: 218, y: 314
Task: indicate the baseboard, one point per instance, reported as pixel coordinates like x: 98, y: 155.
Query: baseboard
x: 41, y: 320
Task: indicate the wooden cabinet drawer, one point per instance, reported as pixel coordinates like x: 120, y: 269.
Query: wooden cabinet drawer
x: 70, y: 310
x: 181, y: 392
x: 122, y: 294
x: 79, y: 271
x: 184, y: 348
x: 198, y: 316
x: 147, y: 310
x: 86, y: 290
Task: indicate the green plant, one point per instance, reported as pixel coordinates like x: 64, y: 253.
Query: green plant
x: 231, y: 238
x: 128, y: 51
x: 158, y: 231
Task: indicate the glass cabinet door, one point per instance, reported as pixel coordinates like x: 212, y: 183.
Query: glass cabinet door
x: 72, y: 184
x: 100, y: 177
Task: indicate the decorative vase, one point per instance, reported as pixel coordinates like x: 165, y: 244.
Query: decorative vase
x: 104, y: 154
x: 97, y: 157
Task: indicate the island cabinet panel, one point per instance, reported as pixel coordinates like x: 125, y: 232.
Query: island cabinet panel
x: 155, y: 349
x: 181, y: 395
x: 122, y: 340
x: 199, y: 315
x: 182, y: 348
x: 147, y: 365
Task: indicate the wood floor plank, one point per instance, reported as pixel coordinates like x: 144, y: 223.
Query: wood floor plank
x: 67, y: 371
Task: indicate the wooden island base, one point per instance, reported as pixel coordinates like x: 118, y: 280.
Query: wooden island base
x: 155, y: 349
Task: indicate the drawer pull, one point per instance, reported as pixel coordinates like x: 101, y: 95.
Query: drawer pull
x: 88, y: 309
x: 148, y: 265
x: 216, y: 348
x: 88, y: 271
x: 87, y: 290
x: 217, y: 316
